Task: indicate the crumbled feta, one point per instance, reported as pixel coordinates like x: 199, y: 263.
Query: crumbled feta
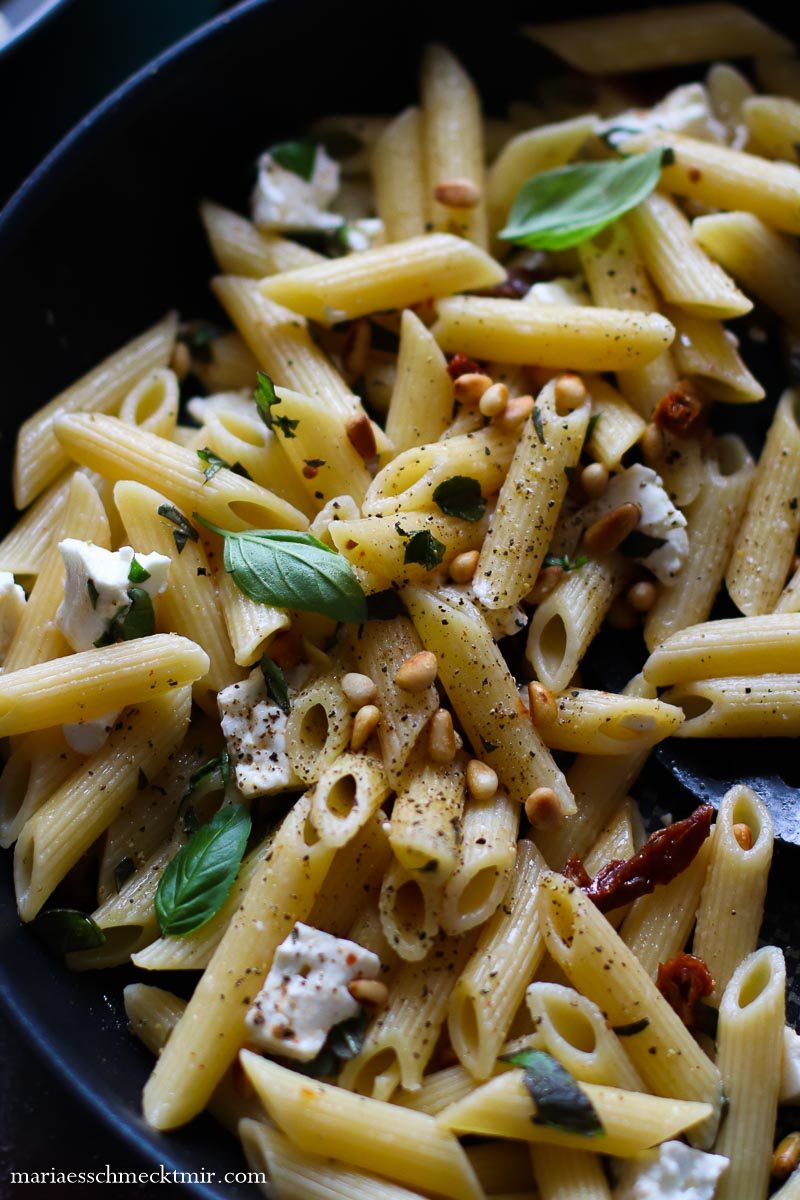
x: 660, y: 519
x: 282, y: 199
x: 255, y: 730
x: 364, y: 234
x: 790, y: 1075
x: 12, y: 606
x: 674, y: 1171
x: 202, y: 408
x: 684, y: 110
x: 566, y: 289
x: 86, y: 737
x: 96, y: 587
x: 305, y: 993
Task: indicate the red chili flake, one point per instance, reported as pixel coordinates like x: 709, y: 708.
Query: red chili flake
x: 576, y: 872
x: 683, y: 982
x: 350, y: 960
x: 461, y: 365
x: 683, y: 411
x: 663, y: 856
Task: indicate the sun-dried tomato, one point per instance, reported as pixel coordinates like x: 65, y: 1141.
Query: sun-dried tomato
x: 663, y: 856
x: 683, y: 411
x: 517, y: 283
x: 461, y: 365
x: 576, y: 872
x: 683, y: 982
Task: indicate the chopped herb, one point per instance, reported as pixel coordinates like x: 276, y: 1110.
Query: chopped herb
x: 316, y: 463
x: 566, y: 564
x: 297, y: 157
x: 274, y: 678
x: 142, y: 781
x: 641, y: 545
x: 213, y: 776
x: 122, y: 871
x: 292, y: 570
x: 667, y: 157
x: 286, y: 425
x: 265, y: 397
x: 344, y: 1042
x: 424, y: 549
x: 137, y: 573
x: 135, y: 620
x: 632, y: 1029
x: 198, y: 880
x: 64, y: 930
x: 213, y: 463
x: 538, y: 425
x: 93, y: 592
x: 183, y: 531
x: 461, y: 497
x: 559, y: 1101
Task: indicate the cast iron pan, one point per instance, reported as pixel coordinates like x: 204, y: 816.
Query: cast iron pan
x: 103, y: 239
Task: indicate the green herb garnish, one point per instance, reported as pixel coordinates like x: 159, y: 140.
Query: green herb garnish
x: 565, y: 562
x: 344, y: 1042
x: 277, y: 687
x: 298, y: 157
x: 538, y: 425
x: 136, y: 620
x: 183, y: 531
x: 266, y: 398
x: 461, y: 497
x: 137, y: 573
x: 213, y: 463
x: 559, y: 1101
x: 424, y: 549
x: 199, y: 878
x: 64, y: 930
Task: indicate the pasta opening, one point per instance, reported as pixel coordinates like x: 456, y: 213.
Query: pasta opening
x: 731, y: 455
x: 463, y: 1024
x: 253, y: 1136
x: 121, y: 942
x: 342, y: 796
x: 745, y: 812
x: 409, y: 906
x: 310, y: 834
x: 478, y: 892
x: 571, y: 1025
x: 755, y: 982
x: 553, y: 645
x: 149, y: 401
x: 693, y: 706
x: 243, y: 428
x: 365, y: 1080
x: 313, y: 729
x: 257, y: 516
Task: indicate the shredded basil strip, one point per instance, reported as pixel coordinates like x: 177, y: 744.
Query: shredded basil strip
x: 277, y: 687
x: 298, y: 157
x: 292, y: 570
x: 136, y: 620
x: 266, y: 399
x: 183, y: 531
x: 539, y: 425
x: 136, y: 573
x: 564, y: 207
x: 422, y: 548
x: 213, y: 463
x: 344, y: 1042
x: 64, y: 930
x: 198, y: 880
x: 632, y: 1029
x: 559, y: 1101
x: 461, y: 497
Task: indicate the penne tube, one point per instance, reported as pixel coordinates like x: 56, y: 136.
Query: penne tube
x: 727, y: 90
x: 605, y: 723
x: 251, y: 626
x: 426, y: 816
x: 738, y: 706
x: 318, y: 727
x: 409, y: 906
x: 740, y: 646
x: 486, y: 856
x: 152, y: 403
x: 241, y: 249
x: 573, y: 1029
x: 573, y: 337
x: 568, y: 1177
x: 398, y: 177
x: 230, y: 366
x: 774, y: 125
x: 353, y: 881
x: 321, y: 436
x: 346, y: 796
x: 22, y: 551
x: 422, y: 397
x: 85, y: 686
x: 36, y: 767
x: 761, y: 259
x: 393, y: 276
x: 243, y: 440
x: 408, y: 482
x: 705, y: 350
x: 40, y: 456
x: 378, y: 545
x: 618, y: 426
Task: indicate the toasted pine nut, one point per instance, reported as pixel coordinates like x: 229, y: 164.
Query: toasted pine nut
x: 418, y: 672
x: 622, y: 616
x: 181, y: 360
x: 786, y: 1156
x: 652, y: 440
x: 469, y: 388
x: 494, y: 400
x: 481, y: 779
x: 594, y: 480
x: 361, y: 435
x: 546, y: 580
x: 570, y: 393
x: 542, y: 808
x: 517, y: 411
x: 457, y: 193
x: 610, y: 531
x: 744, y: 835
x: 463, y: 566
x: 359, y: 689
x: 371, y: 992
x: 442, y: 737
x: 541, y: 705
x: 365, y: 722
x: 642, y: 595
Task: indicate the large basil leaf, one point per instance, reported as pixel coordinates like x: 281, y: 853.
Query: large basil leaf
x: 199, y: 878
x: 64, y: 930
x: 559, y: 1100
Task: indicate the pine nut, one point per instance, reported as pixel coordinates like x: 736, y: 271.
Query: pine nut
x: 786, y: 1156
x: 744, y: 835
x: 481, y: 779
x: 463, y: 566
x: 594, y: 480
x: 181, y: 361
x: 418, y: 672
x: 570, y: 393
x: 621, y: 616
x: 371, y: 992
x: 516, y: 413
x: 546, y: 580
x: 494, y: 400
x: 642, y: 596
x: 469, y: 388
x: 365, y: 723
x: 541, y: 705
x: 542, y: 808
x: 362, y: 436
x: 610, y: 531
x: 359, y: 689
x: 457, y: 193
x: 652, y: 440
x: 442, y: 737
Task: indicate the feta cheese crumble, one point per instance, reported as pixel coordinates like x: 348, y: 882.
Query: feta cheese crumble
x: 96, y: 587
x: 305, y: 993
x: 86, y: 737
x: 660, y: 520
x: 282, y: 199
x: 12, y: 606
x: 255, y: 730
x: 684, y: 110
x: 673, y: 1171
x: 790, y: 1075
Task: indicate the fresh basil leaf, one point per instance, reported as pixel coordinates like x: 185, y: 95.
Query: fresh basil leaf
x: 138, y: 620
x: 277, y: 687
x: 93, y: 592
x: 461, y: 497
x: 641, y: 545
x: 539, y: 425
x: 346, y: 1040
x: 559, y: 1101
x: 199, y: 878
x: 64, y: 930
x: 122, y: 871
x: 213, y: 776
x: 565, y: 562
x: 137, y: 573
x: 265, y: 397
x: 632, y: 1029
x: 323, y: 1066
x: 423, y: 548
x: 564, y: 207
x: 213, y: 463
x: 183, y: 531
x: 298, y: 157
x: 292, y: 570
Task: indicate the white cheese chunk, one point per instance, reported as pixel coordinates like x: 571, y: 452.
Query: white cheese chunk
x: 674, y: 1171
x: 96, y: 587
x: 305, y: 993
x: 12, y: 606
x: 255, y: 730
x: 660, y: 518
x: 86, y: 737
x: 364, y: 233
x: 790, y: 1075
x: 686, y: 110
x: 566, y: 289
x: 282, y: 199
